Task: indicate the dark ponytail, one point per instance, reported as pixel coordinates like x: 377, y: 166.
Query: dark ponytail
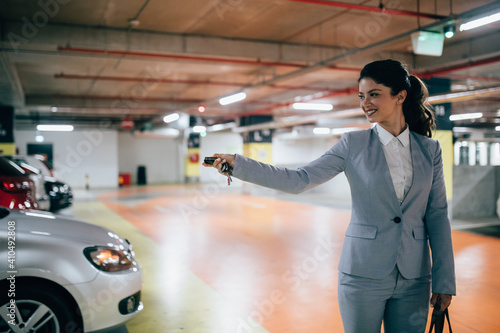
x: 393, y: 74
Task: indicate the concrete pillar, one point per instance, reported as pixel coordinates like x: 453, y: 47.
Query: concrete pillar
x: 7, y: 145
x: 258, y: 144
x: 192, y: 163
x: 444, y: 129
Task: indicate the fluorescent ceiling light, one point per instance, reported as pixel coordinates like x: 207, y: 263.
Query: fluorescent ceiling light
x: 171, y: 118
x: 321, y: 130
x: 220, y: 127
x: 232, y: 98
x: 465, y: 116
x: 312, y: 106
x: 199, y: 129
x: 336, y: 131
x: 480, y: 22
x: 55, y: 128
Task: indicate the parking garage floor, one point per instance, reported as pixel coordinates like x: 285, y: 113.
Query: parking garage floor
x: 217, y: 260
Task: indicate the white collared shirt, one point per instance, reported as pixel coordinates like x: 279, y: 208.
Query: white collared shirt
x: 398, y: 156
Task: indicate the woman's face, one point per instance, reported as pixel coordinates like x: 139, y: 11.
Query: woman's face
x: 379, y: 105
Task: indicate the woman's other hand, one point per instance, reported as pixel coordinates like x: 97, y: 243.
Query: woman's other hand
x: 445, y: 300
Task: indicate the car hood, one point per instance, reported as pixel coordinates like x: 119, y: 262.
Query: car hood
x: 48, y: 224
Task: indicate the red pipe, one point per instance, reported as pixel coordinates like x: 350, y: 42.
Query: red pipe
x: 461, y: 66
x: 373, y: 9
x: 193, y: 82
x: 465, y: 77
x: 122, y: 98
x: 126, y: 98
x: 192, y: 58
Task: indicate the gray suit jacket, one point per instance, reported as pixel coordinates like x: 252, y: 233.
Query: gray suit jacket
x: 381, y: 233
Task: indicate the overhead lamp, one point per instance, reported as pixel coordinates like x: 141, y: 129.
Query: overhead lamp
x: 201, y: 108
x: 39, y: 137
x: 171, y: 118
x: 312, y: 106
x: 55, y: 128
x: 465, y: 116
x: 199, y: 129
x: 480, y: 22
x: 342, y: 130
x: 497, y: 128
x: 232, y: 98
x: 321, y: 130
x: 449, y: 30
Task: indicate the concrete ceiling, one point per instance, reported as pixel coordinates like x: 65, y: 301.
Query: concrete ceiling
x: 84, y: 62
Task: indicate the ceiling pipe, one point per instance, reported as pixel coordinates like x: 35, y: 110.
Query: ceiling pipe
x: 298, y: 120
x: 461, y: 66
x: 171, y: 81
x: 467, y: 77
x: 126, y: 98
x: 335, y: 93
x: 379, y: 9
x: 257, y: 62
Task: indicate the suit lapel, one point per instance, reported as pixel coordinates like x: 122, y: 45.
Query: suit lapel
x: 417, y: 160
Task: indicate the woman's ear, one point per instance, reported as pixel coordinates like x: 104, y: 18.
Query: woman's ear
x: 401, y: 96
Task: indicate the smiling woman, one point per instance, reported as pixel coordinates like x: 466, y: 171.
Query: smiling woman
x: 398, y: 195
x: 390, y: 83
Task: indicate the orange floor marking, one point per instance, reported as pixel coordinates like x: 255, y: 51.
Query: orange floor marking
x: 277, y: 260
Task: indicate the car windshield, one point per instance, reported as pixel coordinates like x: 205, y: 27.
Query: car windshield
x: 10, y: 169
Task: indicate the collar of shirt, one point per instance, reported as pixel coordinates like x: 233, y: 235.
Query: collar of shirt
x: 386, y: 137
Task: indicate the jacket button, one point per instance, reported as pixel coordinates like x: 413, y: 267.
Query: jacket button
x: 397, y: 219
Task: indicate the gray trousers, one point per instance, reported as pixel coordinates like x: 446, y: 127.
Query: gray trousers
x: 401, y: 304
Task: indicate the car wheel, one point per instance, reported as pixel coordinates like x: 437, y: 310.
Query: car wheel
x: 37, y: 311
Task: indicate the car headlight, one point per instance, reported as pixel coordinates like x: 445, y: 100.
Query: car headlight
x: 109, y: 259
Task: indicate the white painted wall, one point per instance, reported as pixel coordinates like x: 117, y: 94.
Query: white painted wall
x: 219, y: 142
x: 80, y: 153
x: 159, y: 155
x: 294, y: 153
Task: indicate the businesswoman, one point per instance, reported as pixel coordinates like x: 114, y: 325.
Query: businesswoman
x: 399, y: 209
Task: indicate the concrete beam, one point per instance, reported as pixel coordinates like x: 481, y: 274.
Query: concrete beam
x: 11, y: 89
x: 14, y: 36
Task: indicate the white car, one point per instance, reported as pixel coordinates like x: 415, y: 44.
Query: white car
x: 59, y: 275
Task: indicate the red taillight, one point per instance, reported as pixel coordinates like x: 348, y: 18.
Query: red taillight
x: 16, y: 186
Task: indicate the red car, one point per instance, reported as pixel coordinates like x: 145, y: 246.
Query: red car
x: 17, y: 190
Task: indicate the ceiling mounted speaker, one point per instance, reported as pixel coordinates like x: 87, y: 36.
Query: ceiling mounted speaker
x: 427, y: 43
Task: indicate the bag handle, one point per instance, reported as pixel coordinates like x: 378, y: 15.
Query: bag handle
x: 436, y: 314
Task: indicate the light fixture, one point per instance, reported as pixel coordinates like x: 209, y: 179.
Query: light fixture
x: 480, y: 22
x: 449, y: 30
x: 497, y: 128
x: 232, y: 98
x: 312, y: 106
x: 321, y: 130
x: 199, y: 129
x: 39, y: 137
x: 201, y: 108
x: 53, y: 109
x: 342, y: 130
x: 465, y: 116
x: 171, y: 118
x: 55, y: 128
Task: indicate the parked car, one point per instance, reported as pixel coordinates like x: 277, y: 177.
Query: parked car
x: 17, y: 190
x: 64, y: 275
x: 59, y: 193
x: 36, y: 175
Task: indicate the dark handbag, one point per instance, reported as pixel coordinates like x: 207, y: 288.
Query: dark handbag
x: 438, y: 317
